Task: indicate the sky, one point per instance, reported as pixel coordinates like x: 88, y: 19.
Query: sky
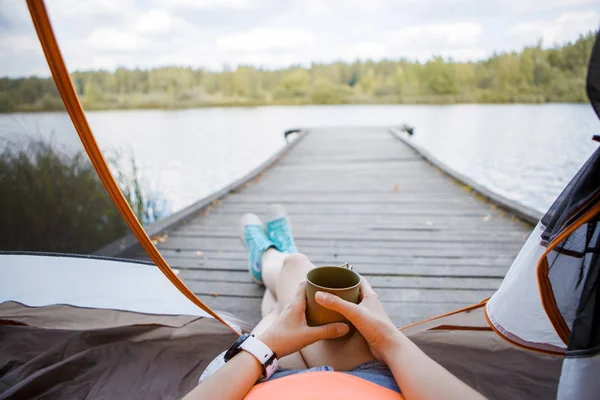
x: 107, y: 34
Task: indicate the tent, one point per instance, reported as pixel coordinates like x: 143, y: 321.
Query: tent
x: 99, y: 322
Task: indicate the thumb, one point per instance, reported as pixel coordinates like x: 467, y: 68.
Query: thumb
x: 329, y: 331
x: 334, y: 303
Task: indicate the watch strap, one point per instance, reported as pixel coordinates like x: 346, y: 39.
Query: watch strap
x: 235, y: 347
x: 258, y: 349
x: 262, y: 353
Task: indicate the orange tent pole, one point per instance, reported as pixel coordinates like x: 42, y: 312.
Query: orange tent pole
x: 63, y: 81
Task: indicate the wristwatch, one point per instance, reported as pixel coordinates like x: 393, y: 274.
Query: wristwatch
x: 265, y: 356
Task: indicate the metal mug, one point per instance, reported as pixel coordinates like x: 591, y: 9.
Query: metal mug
x: 340, y: 281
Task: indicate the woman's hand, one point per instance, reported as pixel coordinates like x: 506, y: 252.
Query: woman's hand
x: 369, y: 318
x: 290, y: 333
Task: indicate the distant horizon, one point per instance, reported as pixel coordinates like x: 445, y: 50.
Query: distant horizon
x: 272, y: 35
x: 308, y: 66
x: 534, y: 75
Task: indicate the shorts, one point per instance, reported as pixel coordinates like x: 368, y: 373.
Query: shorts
x: 372, y: 371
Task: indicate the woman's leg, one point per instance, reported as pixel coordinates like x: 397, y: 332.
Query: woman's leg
x: 269, y: 304
x: 272, y: 262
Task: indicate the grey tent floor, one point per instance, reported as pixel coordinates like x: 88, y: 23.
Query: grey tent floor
x: 425, y: 242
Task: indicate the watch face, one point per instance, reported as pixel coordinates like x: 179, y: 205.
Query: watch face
x: 235, y: 347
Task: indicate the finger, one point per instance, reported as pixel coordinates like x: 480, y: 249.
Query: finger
x: 329, y: 331
x: 331, y: 302
x: 366, y: 289
x: 300, y: 296
x: 300, y: 290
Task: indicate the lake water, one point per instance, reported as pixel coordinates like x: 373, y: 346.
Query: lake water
x: 525, y: 152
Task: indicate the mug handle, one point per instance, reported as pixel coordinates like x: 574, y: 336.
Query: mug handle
x: 347, y: 265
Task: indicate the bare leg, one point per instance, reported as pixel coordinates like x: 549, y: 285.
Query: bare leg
x: 269, y: 304
x: 272, y: 262
x: 282, y: 280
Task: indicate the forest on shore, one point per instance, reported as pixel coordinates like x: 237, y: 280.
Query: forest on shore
x: 532, y: 75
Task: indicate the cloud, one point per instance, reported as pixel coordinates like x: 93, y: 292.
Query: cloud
x: 528, y: 6
x: 84, y: 9
x: 116, y: 40
x: 14, y: 15
x: 459, y: 40
x: 317, y: 7
x: 19, y: 44
x: 565, y: 28
x: 274, y: 33
x: 452, y: 34
x: 154, y: 21
x: 266, y: 40
x: 233, y: 4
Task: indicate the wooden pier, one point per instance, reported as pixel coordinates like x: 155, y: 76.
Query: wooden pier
x: 427, y: 243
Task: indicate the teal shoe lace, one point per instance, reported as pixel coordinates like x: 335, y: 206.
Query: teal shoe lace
x: 280, y: 234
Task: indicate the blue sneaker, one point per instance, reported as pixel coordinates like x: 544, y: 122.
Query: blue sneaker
x: 256, y: 241
x: 279, y: 229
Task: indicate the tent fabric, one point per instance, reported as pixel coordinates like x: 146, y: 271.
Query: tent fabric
x: 516, y: 309
x: 582, y: 192
x: 39, y: 279
x: 45, y: 352
x: 568, y: 271
x: 132, y: 355
x: 92, y: 282
x: 68, y: 317
x: 465, y: 344
x: 491, y: 365
x: 579, y: 378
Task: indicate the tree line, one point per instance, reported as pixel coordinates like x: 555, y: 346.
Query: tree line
x: 532, y: 75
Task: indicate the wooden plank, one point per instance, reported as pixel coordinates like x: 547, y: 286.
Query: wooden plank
x: 358, y: 260
x: 402, y: 314
x: 350, y: 252
x: 377, y: 281
x: 358, y: 241
x: 406, y: 295
x: 191, y: 242
x: 394, y: 248
x: 228, y: 289
x: 371, y: 230
x: 247, y: 309
x: 381, y: 269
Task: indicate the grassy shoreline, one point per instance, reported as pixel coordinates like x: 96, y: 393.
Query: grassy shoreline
x: 250, y: 104
x: 55, y: 200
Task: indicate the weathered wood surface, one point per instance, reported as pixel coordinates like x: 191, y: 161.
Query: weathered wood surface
x: 426, y: 243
